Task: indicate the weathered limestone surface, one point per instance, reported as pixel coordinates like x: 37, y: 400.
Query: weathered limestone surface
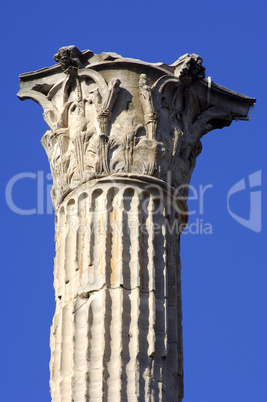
x: 123, y: 140
x: 116, y: 333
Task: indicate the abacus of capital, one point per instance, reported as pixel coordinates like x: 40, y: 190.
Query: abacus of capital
x: 123, y: 140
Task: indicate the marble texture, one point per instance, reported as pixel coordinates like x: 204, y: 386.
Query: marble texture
x: 122, y: 144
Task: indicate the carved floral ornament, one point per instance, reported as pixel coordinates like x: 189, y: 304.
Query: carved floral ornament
x: 109, y: 115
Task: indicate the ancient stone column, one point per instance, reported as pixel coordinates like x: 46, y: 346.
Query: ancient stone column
x: 123, y: 140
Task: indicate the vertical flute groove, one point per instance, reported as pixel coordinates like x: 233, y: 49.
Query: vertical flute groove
x: 66, y: 363
x: 82, y: 242
x: 80, y: 348
x: 70, y: 249
x: 96, y: 321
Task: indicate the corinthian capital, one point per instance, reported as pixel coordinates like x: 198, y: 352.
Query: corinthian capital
x: 109, y: 115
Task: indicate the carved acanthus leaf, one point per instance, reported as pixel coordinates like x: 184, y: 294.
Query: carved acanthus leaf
x: 122, y: 116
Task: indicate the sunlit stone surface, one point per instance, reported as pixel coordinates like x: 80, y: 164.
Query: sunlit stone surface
x: 122, y: 144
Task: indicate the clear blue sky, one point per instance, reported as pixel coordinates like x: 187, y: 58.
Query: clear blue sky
x: 224, y: 273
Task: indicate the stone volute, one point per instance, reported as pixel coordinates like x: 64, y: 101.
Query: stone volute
x: 122, y: 144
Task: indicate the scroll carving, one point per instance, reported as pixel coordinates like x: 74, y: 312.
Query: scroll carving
x: 129, y: 124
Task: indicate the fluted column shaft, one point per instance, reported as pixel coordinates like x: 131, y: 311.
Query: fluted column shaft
x: 122, y: 144
x: 117, y: 332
